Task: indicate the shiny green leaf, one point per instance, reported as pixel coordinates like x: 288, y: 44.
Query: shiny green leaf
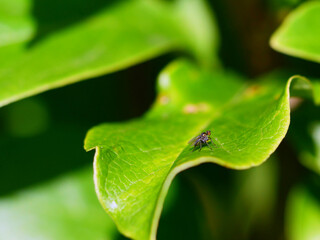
x: 299, y: 35
x: 118, y: 36
x: 136, y: 161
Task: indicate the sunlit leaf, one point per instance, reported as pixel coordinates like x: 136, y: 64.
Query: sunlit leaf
x: 120, y: 35
x: 299, y: 35
x: 136, y: 161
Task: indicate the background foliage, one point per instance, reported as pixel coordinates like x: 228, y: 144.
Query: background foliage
x: 160, y: 73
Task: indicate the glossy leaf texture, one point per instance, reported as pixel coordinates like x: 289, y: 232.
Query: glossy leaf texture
x: 299, y: 35
x: 136, y: 161
x: 303, y: 211
x: 120, y: 35
x: 64, y: 208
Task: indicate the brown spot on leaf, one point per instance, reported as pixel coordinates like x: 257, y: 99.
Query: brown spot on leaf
x: 163, y: 99
x: 253, y: 90
x: 195, y: 108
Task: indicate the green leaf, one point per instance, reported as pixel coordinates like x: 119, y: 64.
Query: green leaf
x: 302, y: 87
x: 118, y: 36
x: 248, y: 200
x: 136, y: 161
x: 299, y: 35
x: 16, y: 24
x: 303, y: 212
x: 304, y: 131
x: 65, y: 208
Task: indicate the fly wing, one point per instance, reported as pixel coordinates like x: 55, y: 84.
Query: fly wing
x: 192, y: 141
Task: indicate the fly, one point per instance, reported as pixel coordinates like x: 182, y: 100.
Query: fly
x: 203, y: 138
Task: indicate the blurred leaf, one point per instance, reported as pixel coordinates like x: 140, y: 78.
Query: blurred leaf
x: 16, y: 24
x: 65, y: 208
x: 26, y: 119
x: 118, y: 36
x: 282, y: 5
x: 59, y: 129
x: 303, y: 212
x: 23, y: 162
x: 299, y: 35
x: 254, y: 196
x: 136, y: 161
x: 304, y: 131
x: 198, y: 30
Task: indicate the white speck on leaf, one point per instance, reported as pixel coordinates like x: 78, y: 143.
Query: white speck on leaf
x: 113, y: 205
x: 164, y: 80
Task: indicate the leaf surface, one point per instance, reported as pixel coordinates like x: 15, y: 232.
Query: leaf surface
x: 118, y: 36
x: 299, y: 34
x: 136, y: 161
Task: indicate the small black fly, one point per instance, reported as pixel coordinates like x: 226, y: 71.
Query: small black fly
x: 203, y: 138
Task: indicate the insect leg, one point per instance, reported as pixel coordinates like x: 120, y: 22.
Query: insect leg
x: 213, y: 144
x: 200, y: 146
x: 194, y: 148
x: 195, y: 144
x: 209, y: 146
